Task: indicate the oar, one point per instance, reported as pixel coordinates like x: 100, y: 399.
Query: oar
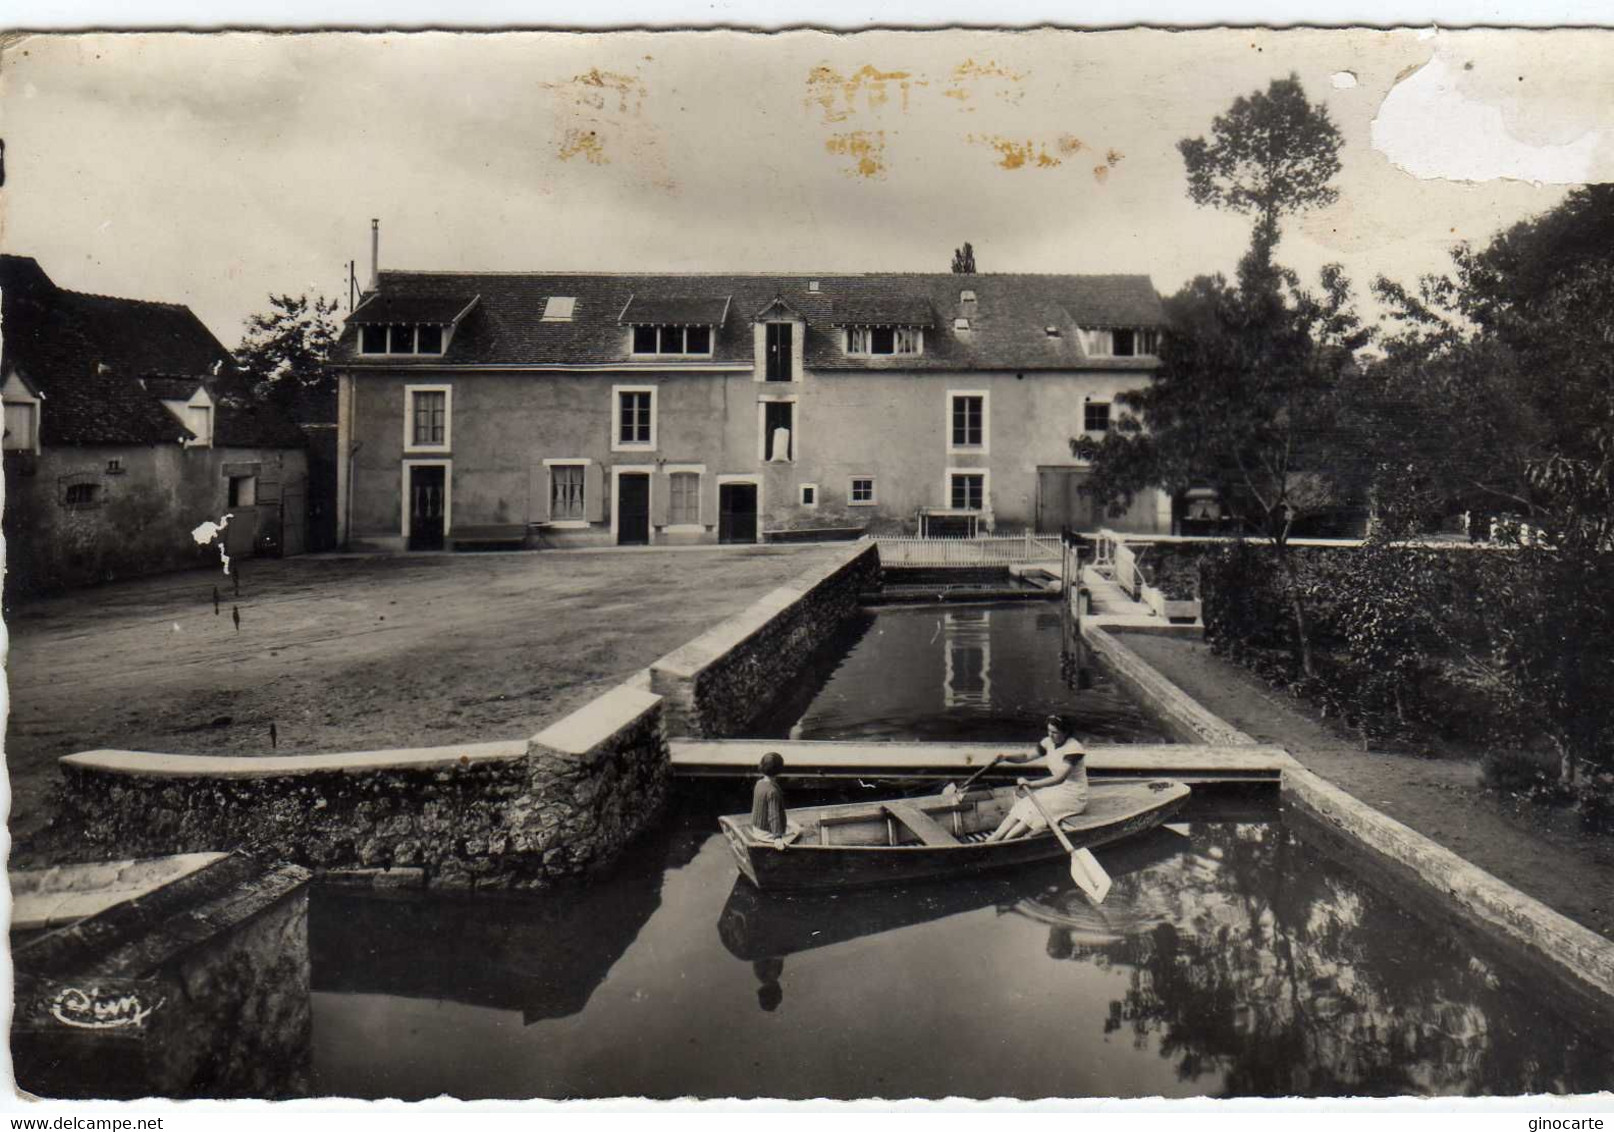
x: 955, y: 788
x: 1085, y: 870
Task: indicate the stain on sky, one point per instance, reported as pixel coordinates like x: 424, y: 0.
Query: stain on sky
x: 868, y: 90
x: 866, y: 148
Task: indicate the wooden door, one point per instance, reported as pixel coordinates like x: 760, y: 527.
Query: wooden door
x: 633, y: 509
x: 427, y: 491
x: 294, y: 517
x: 1061, y: 502
x: 737, y: 512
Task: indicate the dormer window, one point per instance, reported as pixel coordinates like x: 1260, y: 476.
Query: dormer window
x: 962, y: 324
x: 401, y: 338
x: 674, y: 341
x: 407, y: 325
x: 966, y: 296
x: 560, y: 308
x: 877, y: 340
x: 1121, y: 342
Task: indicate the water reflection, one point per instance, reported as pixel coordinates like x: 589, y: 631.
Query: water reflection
x: 1256, y: 967
x: 983, y: 673
x: 1237, y: 959
x: 541, y: 954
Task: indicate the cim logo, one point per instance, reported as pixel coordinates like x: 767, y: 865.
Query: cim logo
x: 91, y: 1010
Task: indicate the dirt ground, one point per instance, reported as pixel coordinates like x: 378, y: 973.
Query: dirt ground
x: 1541, y: 852
x: 352, y: 653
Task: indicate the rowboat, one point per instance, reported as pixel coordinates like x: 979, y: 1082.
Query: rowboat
x: 907, y: 839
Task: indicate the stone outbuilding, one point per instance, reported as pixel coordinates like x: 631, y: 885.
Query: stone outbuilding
x: 126, y: 426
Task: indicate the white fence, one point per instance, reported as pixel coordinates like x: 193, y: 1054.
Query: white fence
x: 983, y: 550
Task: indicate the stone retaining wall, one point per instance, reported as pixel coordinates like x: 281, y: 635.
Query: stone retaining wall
x: 1185, y: 718
x: 1460, y: 888
x: 717, y: 684
x: 488, y: 815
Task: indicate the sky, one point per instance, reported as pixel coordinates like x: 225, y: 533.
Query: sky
x: 214, y: 170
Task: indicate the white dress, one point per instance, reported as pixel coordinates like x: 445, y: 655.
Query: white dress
x: 1061, y: 800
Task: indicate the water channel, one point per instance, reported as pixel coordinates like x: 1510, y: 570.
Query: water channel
x: 1240, y: 952
x: 956, y: 673
x: 1236, y: 956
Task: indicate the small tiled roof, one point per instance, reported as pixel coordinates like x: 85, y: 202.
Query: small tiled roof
x: 1009, y: 318
x: 878, y: 308
x: 441, y: 309
x: 241, y: 422
x: 676, y: 311
x: 86, y: 356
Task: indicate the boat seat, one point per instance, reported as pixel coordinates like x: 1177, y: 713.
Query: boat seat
x: 925, y: 827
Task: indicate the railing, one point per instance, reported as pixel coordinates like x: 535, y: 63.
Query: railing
x: 983, y: 550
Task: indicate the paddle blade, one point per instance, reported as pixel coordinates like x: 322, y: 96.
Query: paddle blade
x: 1089, y: 875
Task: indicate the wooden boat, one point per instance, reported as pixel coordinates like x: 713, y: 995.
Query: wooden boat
x: 909, y: 839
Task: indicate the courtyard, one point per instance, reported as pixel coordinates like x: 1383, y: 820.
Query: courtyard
x: 350, y: 653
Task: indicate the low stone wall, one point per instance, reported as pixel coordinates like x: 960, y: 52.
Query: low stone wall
x: 716, y: 685
x: 1460, y: 888
x: 1185, y: 718
x: 487, y: 815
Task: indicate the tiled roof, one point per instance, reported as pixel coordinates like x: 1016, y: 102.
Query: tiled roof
x: 688, y: 311
x: 86, y: 355
x: 882, y: 309
x: 241, y: 422
x: 1008, y: 321
x: 384, y: 307
x: 172, y: 388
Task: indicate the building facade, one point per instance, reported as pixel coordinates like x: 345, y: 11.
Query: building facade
x: 588, y: 409
x: 123, y: 432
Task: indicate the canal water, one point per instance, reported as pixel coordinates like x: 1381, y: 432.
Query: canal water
x: 1235, y: 956
x: 958, y: 674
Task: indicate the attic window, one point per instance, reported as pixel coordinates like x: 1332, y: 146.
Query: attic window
x: 813, y: 286
x: 874, y: 340
x: 961, y: 324
x: 1051, y: 331
x: 682, y: 341
x: 1122, y: 342
x: 966, y: 296
x: 559, y: 308
x: 401, y: 338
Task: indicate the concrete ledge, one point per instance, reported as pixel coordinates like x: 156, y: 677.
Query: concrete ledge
x: 690, y: 659
x: 1473, y: 893
x: 597, y: 721
x: 1184, y: 717
x: 65, y: 894
x: 148, y: 764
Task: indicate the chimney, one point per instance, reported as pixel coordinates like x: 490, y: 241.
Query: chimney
x: 375, y: 254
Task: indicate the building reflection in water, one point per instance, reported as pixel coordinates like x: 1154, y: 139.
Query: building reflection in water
x: 967, y: 653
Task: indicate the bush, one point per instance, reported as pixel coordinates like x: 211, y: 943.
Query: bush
x: 1515, y: 771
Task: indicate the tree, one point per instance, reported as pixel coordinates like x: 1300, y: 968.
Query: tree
x: 284, y: 352
x: 1271, y: 154
x: 964, y: 260
x: 1510, y: 362
x: 1250, y: 396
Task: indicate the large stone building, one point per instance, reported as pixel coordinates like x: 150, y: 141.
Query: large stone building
x: 125, y: 428
x: 583, y: 408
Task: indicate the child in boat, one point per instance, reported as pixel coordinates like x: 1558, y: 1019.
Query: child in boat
x: 1062, y: 792
x: 768, y: 821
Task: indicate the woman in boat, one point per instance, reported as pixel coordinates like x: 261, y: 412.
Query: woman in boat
x: 1062, y: 792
